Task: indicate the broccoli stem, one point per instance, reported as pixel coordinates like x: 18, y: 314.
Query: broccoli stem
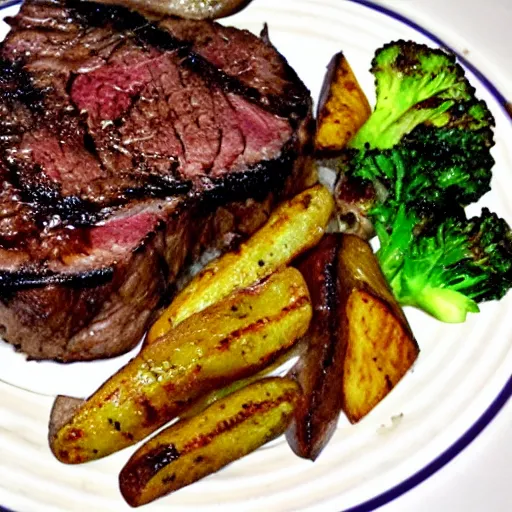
x: 385, y: 129
x: 391, y: 253
x: 444, y: 304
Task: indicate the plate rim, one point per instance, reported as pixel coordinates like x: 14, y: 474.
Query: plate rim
x: 499, y: 402
x: 391, y: 13
x: 3, y: 6
x: 505, y: 394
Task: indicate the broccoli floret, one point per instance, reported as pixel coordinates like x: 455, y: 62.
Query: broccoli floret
x: 420, y: 159
x: 420, y: 187
x: 448, y: 272
x: 434, y: 164
x: 441, y: 157
x: 415, y: 84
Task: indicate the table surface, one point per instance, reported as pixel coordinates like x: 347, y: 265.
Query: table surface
x: 479, y: 478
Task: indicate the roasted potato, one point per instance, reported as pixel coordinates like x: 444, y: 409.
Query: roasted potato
x: 380, y: 346
x: 342, y: 109
x: 359, y: 343
x: 205, y: 401
x: 191, y: 9
x: 231, y: 340
x: 319, y: 370
x: 295, y: 226
x: 199, y: 446
x: 379, y: 353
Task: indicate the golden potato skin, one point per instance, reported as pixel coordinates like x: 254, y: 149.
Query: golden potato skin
x: 359, y: 344
x: 379, y: 353
x: 380, y: 346
x: 231, y: 340
x: 342, y: 109
x: 205, y: 401
x: 359, y: 268
x: 295, y: 226
x: 194, y: 448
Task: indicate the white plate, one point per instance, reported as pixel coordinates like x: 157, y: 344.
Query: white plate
x: 460, y: 381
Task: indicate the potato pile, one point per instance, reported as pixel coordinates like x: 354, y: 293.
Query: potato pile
x: 289, y: 289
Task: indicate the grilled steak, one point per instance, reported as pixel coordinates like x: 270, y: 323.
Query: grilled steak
x: 126, y: 148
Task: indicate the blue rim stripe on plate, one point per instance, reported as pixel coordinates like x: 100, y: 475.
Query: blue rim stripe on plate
x: 10, y: 3
x: 505, y: 105
x: 506, y: 393
x: 448, y: 455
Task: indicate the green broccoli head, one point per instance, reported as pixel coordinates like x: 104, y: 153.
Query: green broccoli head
x: 467, y: 115
x: 434, y: 165
x: 417, y: 85
x: 420, y: 159
x: 490, y: 243
x: 447, y: 270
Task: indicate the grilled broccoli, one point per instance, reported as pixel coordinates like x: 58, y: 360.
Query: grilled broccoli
x: 448, y: 270
x: 432, y: 164
x: 415, y: 85
x: 422, y: 157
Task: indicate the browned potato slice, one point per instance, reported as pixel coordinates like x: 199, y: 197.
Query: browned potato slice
x: 295, y: 226
x: 379, y: 353
x: 205, y: 401
x: 358, y: 268
x: 342, y: 109
x: 231, y: 340
x: 359, y: 341
x: 191, y: 9
x: 380, y: 346
x: 193, y: 448
x: 319, y: 369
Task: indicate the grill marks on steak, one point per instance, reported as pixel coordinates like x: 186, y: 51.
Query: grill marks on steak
x: 15, y: 216
x: 242, y: 57
x: 150, y: 116
x: 119, y: 139
x: 174, y: 121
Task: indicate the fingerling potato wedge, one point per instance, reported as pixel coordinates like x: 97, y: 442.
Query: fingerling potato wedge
x: 359, y: 343
x: 379, y: 353
x: 295, y: 226
x: 342, y: 109
x: 205, y: 401
x: 320, y: 368
x: 231, y: 340
x: 194, y: 448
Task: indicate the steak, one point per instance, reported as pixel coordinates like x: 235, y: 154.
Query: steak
x: 127, y: 147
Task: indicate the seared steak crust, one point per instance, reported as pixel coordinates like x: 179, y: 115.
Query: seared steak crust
x: 126, y: 148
